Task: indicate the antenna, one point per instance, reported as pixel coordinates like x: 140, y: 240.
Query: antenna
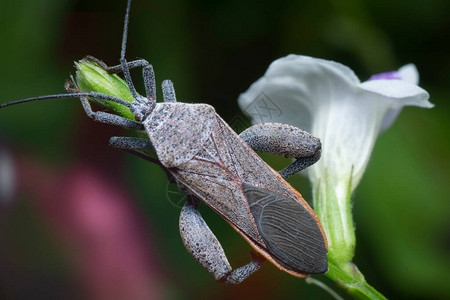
x: 125, y: 69
x: 123, y: 61
x: 125, y: 30
x: 72, y: 95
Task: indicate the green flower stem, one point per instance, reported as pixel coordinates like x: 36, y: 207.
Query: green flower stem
x: 333, y: 206
x: 352, y: 280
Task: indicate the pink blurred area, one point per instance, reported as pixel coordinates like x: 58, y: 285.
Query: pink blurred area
x: 92, y: 240
x: 102, y: 233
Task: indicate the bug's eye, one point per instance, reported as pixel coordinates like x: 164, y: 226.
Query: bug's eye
x: 138, y: 117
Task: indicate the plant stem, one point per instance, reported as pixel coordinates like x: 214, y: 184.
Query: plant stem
x: 333, y: 206
x: 352, y: 280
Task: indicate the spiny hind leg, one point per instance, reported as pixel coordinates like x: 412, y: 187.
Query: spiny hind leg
x: 285, y: 140
x: 203, y: 245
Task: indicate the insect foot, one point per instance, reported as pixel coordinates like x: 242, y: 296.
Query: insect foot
x: 238, y: 275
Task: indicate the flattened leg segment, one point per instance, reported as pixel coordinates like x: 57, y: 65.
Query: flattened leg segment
x: 203, y: 245
x: 285, y: 140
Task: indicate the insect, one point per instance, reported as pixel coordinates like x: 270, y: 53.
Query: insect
x: 213, y: 164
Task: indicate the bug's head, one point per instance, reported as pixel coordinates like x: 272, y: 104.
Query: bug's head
x: 142, y: 107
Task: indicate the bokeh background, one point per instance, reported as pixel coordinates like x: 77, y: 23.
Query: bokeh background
x: 88, y: 222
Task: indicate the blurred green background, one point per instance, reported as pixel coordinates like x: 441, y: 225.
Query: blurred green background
x: 212, y: 51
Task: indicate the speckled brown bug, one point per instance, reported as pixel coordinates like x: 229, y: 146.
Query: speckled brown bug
x: 213, y: 164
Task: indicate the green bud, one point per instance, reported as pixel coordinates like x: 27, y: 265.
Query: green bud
x: 90, y: 77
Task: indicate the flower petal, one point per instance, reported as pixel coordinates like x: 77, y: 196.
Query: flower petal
x: 406, y: 93
x: 409, y: 73
x: 386, y: 75
x: 389, y: 119
x: 328, y: 100
x: 293, y: 87
x: 406, y: 73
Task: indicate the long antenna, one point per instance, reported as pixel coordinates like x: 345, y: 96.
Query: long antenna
x: 123, y: 61
x: 72, y: 95
x: 125, y: 31
x: 126, y: 73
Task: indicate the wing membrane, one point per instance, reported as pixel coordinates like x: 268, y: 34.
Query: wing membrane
x: 289, y: 231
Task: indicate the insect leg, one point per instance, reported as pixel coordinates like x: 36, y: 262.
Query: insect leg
x: 135, y: 146
x: 168, y: 91
x: 130, y: 143
x: 147, y: 72
x: 285, y: 140
x: 203, y: 245
x: 240, y: 274
x: 108, y: 118
x: 118, y: 68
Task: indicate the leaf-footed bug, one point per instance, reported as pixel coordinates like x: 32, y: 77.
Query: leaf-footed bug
x: 213, y: 164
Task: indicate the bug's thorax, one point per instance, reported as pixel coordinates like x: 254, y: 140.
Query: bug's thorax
x: 142, y: 107
x: 179, y: 130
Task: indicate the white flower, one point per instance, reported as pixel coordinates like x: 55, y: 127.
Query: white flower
x: 328, y: 100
